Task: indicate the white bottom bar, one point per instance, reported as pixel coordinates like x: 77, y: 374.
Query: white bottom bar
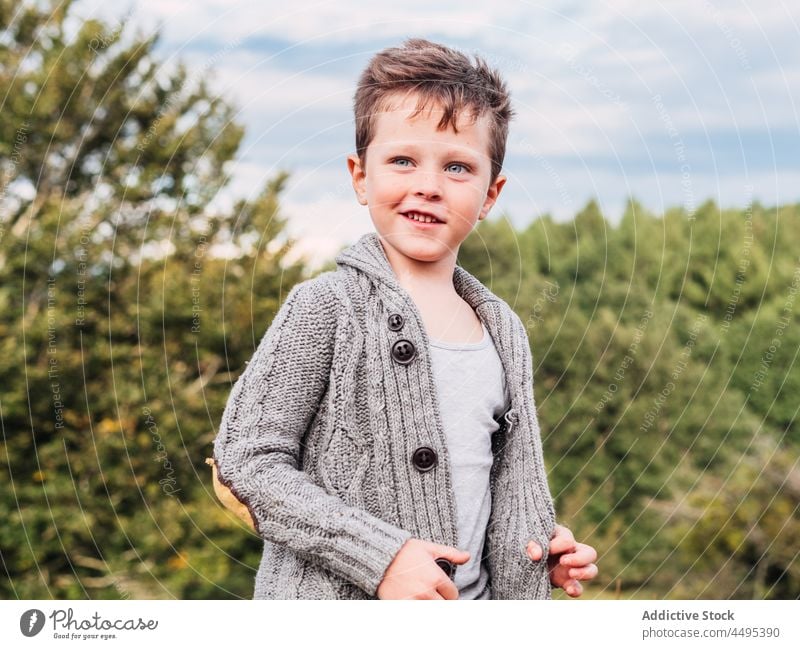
x: 232, y: 624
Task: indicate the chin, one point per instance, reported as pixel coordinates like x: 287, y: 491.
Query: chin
x: 421, y: 250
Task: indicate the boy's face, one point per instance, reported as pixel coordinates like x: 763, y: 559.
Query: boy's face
x: 411, y: 166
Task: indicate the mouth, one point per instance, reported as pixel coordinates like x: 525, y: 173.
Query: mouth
x: 421, y: 218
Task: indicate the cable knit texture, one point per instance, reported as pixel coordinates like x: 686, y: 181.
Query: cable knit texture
x: 319, y: 433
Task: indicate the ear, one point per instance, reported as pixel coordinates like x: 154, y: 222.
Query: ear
x: 491, y: 196
x: 359, y: 176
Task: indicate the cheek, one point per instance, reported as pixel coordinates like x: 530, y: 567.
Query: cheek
x: 475, y: 195
x: 387, y: 188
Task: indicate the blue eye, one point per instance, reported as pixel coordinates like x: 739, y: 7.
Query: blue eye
x: 396, y: 160
x: 458, y: 164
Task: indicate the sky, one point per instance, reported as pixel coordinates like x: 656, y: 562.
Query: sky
x: 671, y: 103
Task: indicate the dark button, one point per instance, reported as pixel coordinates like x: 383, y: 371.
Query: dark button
x: 424, y: 458
x: 396, y: 322
x: 447, y: 566
x: 403, y: 351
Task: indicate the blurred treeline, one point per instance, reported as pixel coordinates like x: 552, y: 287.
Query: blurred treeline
x: 669, y: 425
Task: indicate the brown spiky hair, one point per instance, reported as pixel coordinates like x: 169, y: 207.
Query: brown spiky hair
x: 439, y: 75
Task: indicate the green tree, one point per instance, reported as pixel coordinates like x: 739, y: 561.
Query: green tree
x: 121, y: 330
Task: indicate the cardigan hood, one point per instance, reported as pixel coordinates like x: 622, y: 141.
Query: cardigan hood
x: 368, y: 256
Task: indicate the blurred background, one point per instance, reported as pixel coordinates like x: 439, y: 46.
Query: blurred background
x: 169, y: 170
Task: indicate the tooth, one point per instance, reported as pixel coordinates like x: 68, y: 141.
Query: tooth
x: 416, y: 216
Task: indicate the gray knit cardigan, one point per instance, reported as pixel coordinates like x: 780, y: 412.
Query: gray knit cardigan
x: 319, y: 434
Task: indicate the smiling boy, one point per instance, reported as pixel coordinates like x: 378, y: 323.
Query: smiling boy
x: 426, y: 188
x: 384, y: 437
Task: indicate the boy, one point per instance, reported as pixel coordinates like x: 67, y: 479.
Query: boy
x: 384, y: 437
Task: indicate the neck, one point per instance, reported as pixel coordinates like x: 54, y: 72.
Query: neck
x: 421, y: 277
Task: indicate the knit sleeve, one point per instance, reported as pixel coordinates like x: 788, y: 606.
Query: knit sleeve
x: 258, y: 446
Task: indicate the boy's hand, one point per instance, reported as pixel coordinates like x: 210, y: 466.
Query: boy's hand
x: 568, y: 561
x: 413, y: 573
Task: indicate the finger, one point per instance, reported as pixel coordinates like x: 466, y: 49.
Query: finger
x: 447, y: 589
x: 559, y: 529
x: 585, y: 553
x: 581, y: 556
x: 562, y: 540
x: 462, y: 557
x: 563, y: 531
x: 427, y: 593
x: 559, y: 577
x: 430, y: 595
x: 534, y: 551
x: 453, y: 554
x: 573, y: 588
x: 585, y: 573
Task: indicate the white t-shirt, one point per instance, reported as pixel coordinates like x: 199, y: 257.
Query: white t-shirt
x: 472, y: 392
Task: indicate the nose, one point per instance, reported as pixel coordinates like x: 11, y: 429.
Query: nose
x: 427, y: 184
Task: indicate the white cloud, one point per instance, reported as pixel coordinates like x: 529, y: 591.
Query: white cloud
x: 323, y: 226
x: 301, y: 21
x: 255, y: 86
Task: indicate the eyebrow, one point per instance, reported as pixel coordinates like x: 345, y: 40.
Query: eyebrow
x: 450, y: 153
